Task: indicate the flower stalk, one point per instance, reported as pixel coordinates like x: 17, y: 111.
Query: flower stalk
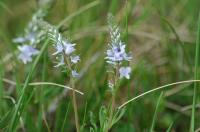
x: 66, y: 59
x: 116, y: 56
x: 114, y: 92
x: 72, y: 84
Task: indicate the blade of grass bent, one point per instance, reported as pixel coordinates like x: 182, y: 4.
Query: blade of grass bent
x: 156, y: 89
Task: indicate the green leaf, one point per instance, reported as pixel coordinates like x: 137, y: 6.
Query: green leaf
x: 117, y: 116
x: 103, y: 118
x: 93, y: 123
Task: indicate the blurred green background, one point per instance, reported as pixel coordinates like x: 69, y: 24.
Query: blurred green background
x: 161, y: 35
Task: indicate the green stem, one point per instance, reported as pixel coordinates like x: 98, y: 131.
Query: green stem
x: 111, y: 111
x: 21, y: 103
x: 75, y: 107
x: 192, y: 125
x: 116, y: 79
x: 72, y: 83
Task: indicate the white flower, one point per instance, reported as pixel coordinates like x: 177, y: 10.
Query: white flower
x: 26, y: 53
x: 75, y: 59
x: 31, y: 38
x: 61, y: 62
x: 117, y: 53
x: 59, y: 48
x: 125, y: 72
x: 68, y: 48
x: 25, y: 58
x: 74, y: 73
x: 64, y: 50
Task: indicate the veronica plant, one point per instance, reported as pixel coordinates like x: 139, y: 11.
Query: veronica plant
x: 32, y: 34
x: 66, y: 58
x: 118, y: 60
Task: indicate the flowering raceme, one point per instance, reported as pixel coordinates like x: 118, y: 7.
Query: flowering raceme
x: 67, y: 59
x: 30, y: 39
x: 117, y: 58
x: 116, y: 53
x: 64, y: 49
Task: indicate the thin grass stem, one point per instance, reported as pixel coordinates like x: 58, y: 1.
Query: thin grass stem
x: 192, y: 125
x: 45, y: 83
x: 156, y: 111
x: 156, y: 89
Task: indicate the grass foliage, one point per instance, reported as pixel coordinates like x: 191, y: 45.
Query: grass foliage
x: 162, y: 92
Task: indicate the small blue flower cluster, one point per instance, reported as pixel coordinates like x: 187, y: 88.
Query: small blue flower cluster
x: 33, y: 35
x: 26, y: 53
x: 115, y: 55
x: 116, y: 52
x: 64, y: 50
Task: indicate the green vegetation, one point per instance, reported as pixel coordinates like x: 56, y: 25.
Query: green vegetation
x: 162, y: 93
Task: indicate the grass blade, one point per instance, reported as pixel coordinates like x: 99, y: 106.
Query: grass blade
x: 156, y: 89
x: 192, y: 125
x: 21, y: 102
x: 156, y: 111
x: 170, y: 127
x: 82, y: 9
x: 65, y: 119
x: 3, y: 5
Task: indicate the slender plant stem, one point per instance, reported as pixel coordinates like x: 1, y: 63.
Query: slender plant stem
x: 44, y: 83
x: 116, y: 78
x: 112, y: 110
x: 75, y: 106
x: 63, y: 125
x: 192, y: 125
x: 155, y: 113
x: 156, y: 89
x: 20, y: 104
x: 45, y: 120
x: 72, y: 83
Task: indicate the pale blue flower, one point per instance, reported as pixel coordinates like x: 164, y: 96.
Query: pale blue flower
x: 117, y: 53
x: 32, y: 37
x: 59, y: 48
x: 125, y: 72
x: 61, y: 62
x: 26, y: 53
x: 74, y: 73
x: 75, y: 59
x: 64, y: 46
x: 64, y: 49
x: 68, y: 48
x: 25, y: 58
